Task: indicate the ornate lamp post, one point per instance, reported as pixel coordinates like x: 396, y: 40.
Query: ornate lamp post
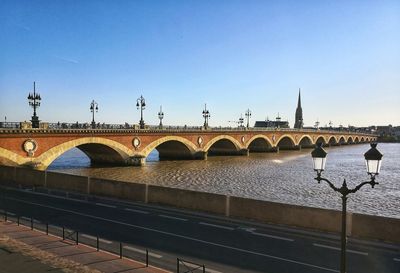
x: 206, y: 116
x: 248, y: 115
x: 34, y: 101
x: 161, y: 116
x: 94, y: 107
x: 141, y: 104
x: 373, y: 162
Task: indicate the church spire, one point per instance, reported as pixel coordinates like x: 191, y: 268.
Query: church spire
x: 299, y: 114
x: 299, y: 100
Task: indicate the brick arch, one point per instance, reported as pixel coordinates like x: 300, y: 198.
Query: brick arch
x: 318, y: 137
x: 222, y: 137
x: 269, y: 142
x: 46, y: 158
x: 362, y: 139
x: 340, y: 138
x: 335, y: 140
x: 259, y: 143
x: 356, y: 139
x: 350, y: 138
x: 153, y: 145
x: 305, y: 136
x: 286, y: 136
x: 12, y: 159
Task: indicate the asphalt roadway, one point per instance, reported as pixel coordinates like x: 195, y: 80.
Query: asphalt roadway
x: 221, y: 244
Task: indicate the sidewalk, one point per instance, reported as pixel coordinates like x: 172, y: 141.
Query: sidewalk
x: 25, y: 250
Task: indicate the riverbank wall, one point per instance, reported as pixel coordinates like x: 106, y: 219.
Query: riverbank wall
x: 358, y: 225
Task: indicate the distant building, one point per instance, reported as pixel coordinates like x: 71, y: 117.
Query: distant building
x: 299, y: 114
x: 272, y: 123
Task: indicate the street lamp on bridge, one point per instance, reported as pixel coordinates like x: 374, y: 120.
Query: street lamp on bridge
x: 94, y: 107
x: 373, y: 162
x: 248, y: 115
x: 141, y: 104
x: 161, y: 116
x: 34, y: 101
x: 206, y: 116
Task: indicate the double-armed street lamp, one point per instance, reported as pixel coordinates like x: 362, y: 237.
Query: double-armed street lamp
x: 373, y: 162
x: 248, y: 115
x: 34, y: 101
x: 141, y: 104
x: 94, y: 107
x: 206, y: 116
x: 161, y: 116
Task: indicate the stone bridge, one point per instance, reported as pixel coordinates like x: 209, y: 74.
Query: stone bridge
x: 38, y: 148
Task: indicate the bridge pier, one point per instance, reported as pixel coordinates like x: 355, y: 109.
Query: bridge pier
x: 274, y: 149
x: 200, y: 155
x: 136, y: 161
x: 307, y: 146
x: 289, y: 148
x: 229, y: 152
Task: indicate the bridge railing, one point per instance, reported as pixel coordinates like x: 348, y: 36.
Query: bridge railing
x: 126, y: 126
x: 10, y: 125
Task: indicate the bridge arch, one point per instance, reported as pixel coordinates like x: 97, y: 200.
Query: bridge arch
x: 362, y: 139
x: 171, y: 147
x: 306, y: 142
x: 321, y: 139
x: 350, y: 140
x: 342, y: 140
x: 98, y: 149
x: 259, y: 143
x: 223, y: 145
x: 286, y: 142
x: 9, y: 158
x: 356, y: 139
x: 332, y: 140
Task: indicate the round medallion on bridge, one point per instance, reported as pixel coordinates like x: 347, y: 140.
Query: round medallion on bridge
x: 136, y: 142
x: 243, y: 139
x: 30, y: 146
x: 200, y: 140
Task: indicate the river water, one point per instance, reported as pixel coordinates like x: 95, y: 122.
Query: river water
x: 285, y: 177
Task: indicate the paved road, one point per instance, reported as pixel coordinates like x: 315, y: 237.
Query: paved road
x: 222, y: 244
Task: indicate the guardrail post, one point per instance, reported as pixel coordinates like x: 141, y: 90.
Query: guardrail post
x: 63, y: 233
x: 120, y: 250
x: 77, y: 237
x: 31, y: 223
x: 204, y: 268
x: 177, y: 265
x: 97, y: 243
x: 47, y: 228
x: 147, y: 257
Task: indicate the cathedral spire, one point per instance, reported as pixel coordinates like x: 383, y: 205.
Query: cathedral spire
x: 299, y: 114
x: 299, y: 100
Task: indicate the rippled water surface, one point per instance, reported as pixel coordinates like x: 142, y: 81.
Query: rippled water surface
x: 285, y: 177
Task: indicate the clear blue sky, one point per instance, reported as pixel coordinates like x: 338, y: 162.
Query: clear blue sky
x: 233, y: 55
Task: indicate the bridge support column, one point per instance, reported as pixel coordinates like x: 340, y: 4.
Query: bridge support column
x: 275, y: 149
x: 297, y: 147
x: 245, y: 152
x: 137, y: 161
x: 201, y: 155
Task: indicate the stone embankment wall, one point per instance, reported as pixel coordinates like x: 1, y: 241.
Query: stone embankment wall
x: 359, y: 225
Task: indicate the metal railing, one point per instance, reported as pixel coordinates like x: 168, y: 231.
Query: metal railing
x: 117, y: 248
x: 120, y: 127
x: 189, y: 267
x: 67, y: 234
